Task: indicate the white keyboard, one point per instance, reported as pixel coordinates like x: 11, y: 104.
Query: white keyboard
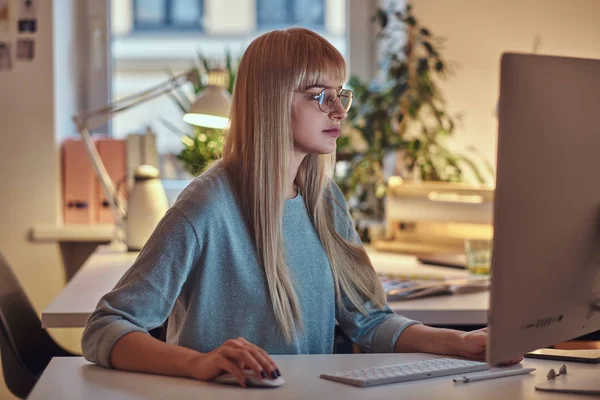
x: 406, y: 372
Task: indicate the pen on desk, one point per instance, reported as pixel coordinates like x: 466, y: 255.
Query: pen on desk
x: 492, y: 375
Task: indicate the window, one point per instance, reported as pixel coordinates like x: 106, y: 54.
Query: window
x: 280, y: 13
x: 139, y: 64
x: 167, y: 14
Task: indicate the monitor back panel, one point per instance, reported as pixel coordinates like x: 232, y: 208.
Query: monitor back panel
x: 546, y: 256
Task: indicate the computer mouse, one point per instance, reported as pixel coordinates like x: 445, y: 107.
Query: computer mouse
x: 251, y: 380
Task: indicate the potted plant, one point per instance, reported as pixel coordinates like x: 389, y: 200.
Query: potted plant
x: 399, y: 125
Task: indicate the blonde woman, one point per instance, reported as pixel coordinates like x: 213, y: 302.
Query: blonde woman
x: 258, y: 256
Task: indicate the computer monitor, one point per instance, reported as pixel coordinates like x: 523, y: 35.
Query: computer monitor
x: 545, y: 285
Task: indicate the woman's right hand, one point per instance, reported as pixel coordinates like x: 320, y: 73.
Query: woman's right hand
x: 233, y: 356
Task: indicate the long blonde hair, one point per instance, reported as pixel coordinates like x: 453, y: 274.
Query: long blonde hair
x: 257, y: 154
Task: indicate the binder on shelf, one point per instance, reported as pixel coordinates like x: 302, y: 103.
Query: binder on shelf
x: 79, y: 189
x: 113, y: 154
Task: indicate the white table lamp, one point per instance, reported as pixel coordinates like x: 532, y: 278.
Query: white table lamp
x: 211, y: 108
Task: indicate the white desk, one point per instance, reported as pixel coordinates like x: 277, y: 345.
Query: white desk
x: 77, y: 241
x: 75, y: 378
x: 100, y: 273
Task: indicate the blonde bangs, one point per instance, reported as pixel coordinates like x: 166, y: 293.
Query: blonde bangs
x: 315, y: 60
x: 319, y: 71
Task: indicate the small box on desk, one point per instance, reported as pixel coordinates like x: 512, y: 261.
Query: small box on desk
x: 424, y: 218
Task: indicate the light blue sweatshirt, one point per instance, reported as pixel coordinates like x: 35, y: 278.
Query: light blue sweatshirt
x: 199, y: 269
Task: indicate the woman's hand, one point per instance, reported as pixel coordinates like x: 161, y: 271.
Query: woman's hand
x: 233, y: 356
x: 473, y: 345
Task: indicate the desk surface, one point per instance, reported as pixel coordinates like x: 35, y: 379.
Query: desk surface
x: 73, y: 305
x: 101, y: 233
x: 75, y: 378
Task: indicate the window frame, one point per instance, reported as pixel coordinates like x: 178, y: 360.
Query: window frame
x: 289, y: 4
x: 167, y: 24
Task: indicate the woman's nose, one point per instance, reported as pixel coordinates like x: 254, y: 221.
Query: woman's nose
x: 338, y: 112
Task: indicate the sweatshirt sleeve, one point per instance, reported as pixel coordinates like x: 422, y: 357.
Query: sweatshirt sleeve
x: 144, y: 297
x: 379, y: 329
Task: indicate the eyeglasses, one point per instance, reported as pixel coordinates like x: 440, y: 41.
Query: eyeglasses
x: 329, y: 96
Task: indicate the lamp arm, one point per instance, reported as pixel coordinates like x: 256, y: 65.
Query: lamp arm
x: 140, y: 97
x: 115, y: 200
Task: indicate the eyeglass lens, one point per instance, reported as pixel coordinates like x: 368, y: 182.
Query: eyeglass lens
x: 329, y: 96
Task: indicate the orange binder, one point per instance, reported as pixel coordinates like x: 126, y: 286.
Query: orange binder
x: 79, y: 189
x: 112, y: 153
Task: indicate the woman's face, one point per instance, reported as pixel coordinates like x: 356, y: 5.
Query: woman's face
x: 314, y: 131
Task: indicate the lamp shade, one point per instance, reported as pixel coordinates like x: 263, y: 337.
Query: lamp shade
x: 211, y: 108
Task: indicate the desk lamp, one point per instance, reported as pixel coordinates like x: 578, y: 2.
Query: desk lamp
x: 211, y: 109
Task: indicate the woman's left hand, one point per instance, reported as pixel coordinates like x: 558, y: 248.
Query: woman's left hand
x: 473, y: 345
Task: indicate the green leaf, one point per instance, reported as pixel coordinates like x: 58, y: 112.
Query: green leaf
x: 228, y: 59
x: 422, y: 68
x: 381, y: 17
x: 473, y: 168
x: 203, y: 60
x: 197, y: 78
x: 430, y: 50
x: 439, y: 66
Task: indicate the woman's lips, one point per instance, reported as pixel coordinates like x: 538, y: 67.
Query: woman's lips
x: 333, y: 132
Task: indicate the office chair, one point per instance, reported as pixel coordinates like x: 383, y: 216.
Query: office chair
x: 25, y: 348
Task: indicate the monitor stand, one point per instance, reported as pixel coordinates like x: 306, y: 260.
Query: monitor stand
x: 581, y: 381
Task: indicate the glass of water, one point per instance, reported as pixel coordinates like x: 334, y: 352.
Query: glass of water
x: 479, y: 256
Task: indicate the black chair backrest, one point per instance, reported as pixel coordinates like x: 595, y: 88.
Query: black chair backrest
x: 19, y: 380
x: 25, y: 348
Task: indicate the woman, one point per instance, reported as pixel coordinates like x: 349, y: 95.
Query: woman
x: 258, y: 255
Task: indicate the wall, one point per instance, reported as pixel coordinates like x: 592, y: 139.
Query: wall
x: 229, y: 18
x: 362, y: 55
x: 477, y: 33
x: 36, y: 100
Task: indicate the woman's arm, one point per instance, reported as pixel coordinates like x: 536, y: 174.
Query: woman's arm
x: 145, y: 295
x: 450, y: 342
x: 425, y: 339
x: 140, y: 352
